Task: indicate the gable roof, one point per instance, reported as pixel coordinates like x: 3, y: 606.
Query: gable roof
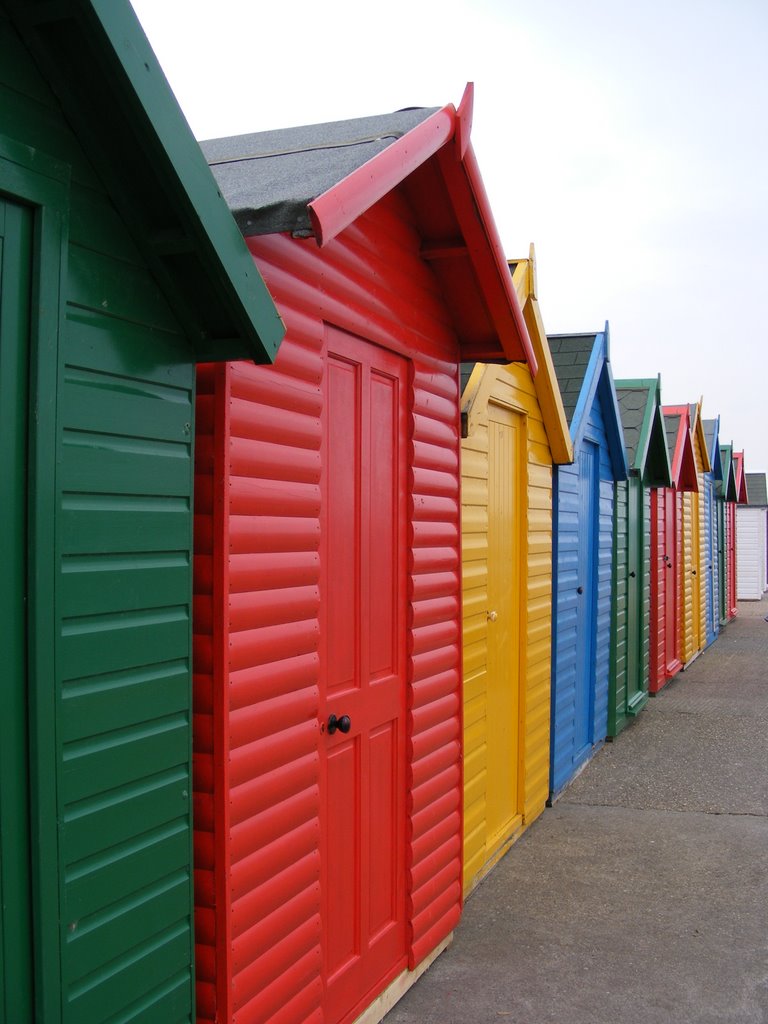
x: 757, y: 491
x: 712, y: 437
x: 583, y: 368
x: 726, y: 488
x: 318, y: 179
x: 741, y: 483
x: 544, y: 382
x: 644, y: 430
x: 99, y: 63
x: 677, y: 421
x: 696, y: 428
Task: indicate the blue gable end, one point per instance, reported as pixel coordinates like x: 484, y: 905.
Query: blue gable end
x: 582, y: 568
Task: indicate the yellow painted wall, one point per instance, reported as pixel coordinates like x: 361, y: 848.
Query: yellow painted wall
x: 492, y: 819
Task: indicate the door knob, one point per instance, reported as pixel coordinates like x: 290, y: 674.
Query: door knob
x: 492, y: 616
x: 579, y: 590
x: 693, y: 572
x: 343, y: 724
x: 632, y: 574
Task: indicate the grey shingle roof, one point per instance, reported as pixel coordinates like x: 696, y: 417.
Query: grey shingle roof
x: 268, y: 178
x: 570, y: 355
x: 756, y: 489
x: 632, y: 405
x: 672, y: 424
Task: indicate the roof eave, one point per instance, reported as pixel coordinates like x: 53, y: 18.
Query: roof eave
x: 444, y: 136
x: 114, y: 93
x: 545, y: 380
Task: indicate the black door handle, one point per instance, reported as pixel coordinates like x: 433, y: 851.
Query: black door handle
x: 693, y: 572
x: 343, y: 724
x: 579, y: 590
x: 632, y: 574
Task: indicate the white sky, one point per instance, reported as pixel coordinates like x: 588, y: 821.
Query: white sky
x: 628, y: 141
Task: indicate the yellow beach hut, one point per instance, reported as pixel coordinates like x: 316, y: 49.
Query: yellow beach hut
x: 694, y: 542
x: 513, y: 429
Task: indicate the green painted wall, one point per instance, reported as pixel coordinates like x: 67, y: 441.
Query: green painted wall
x: 106, y: 763
x: 631, y: 603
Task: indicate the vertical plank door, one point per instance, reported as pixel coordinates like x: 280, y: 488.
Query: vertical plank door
x: 362, y: 699
x: 15, y: 882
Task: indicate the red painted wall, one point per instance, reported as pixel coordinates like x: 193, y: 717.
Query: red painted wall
x: 259, y: 623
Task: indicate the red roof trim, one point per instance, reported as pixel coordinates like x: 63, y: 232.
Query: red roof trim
x: 684, y: 476
x: 342, y: 204
x: 741, y: 479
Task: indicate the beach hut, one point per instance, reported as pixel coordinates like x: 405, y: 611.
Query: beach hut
x: 329, y: 700
x: 666, y: 550
x: 752, y: 545
x: 583, y: 552
x: 693, y: 542
x: 514, y: 427
x: 712, y: 554
x: 120, y: 268
x: 725, y: 490
x: 732, y: 535
x: 729, y: 499
x: 648, y: 458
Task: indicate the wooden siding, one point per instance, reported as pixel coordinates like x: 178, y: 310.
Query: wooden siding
x: 751, y: 553
x: 511, y: 386
x: 266, y: 947
x: 565, y: 760
x: 121, y: 761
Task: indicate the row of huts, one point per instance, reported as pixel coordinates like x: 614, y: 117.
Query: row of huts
x: 325, y: 568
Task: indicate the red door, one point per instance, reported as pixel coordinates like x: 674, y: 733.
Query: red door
x: 671, y: 631
x: 362, y: 839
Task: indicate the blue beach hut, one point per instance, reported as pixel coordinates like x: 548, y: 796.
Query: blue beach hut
x: 712, y: 480
x: 583, y: 496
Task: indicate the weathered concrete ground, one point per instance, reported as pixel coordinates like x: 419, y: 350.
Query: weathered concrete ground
x: 641, y: 897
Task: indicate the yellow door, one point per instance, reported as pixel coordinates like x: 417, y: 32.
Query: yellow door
x: 696, y: 573
x: 506, y: 454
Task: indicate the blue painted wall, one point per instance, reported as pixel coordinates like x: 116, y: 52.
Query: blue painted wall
x: 572, y: 689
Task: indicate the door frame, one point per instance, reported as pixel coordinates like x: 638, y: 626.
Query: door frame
x: 521, y: 484
x: 33, y: 179
x: 332, y: 331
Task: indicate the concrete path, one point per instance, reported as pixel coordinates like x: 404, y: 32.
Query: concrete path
x: 641, y: 897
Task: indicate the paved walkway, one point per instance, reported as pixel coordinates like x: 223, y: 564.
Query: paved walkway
x: 641, y: 897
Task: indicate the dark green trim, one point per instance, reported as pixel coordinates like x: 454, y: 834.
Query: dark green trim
x: 29, y: 177
x: 114, y: 93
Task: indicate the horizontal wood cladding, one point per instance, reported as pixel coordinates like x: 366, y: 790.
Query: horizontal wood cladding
x: 370, y: 282
x: 566, y: 756
x: 512, y: 387
x: 120, y: 865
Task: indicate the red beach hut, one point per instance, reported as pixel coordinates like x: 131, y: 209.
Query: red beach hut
x: 328, y: 627
x: 730, y: 514
x: 666, y: 553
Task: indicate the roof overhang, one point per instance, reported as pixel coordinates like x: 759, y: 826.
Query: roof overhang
x: 726, y: 489
x: 651, y: 459
x: 598, y: 385
x: 436, y: 167
x: 684, y: 475
x: 98, y: 61
x: 741, y: 480
x: 524, y: 282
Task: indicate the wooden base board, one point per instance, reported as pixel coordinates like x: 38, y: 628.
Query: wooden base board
x: 397, y: 989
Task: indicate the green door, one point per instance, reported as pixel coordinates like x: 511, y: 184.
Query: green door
x: 15, y: 929
x: 634, y: 593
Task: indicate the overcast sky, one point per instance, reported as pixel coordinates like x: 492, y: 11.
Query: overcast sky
x: 628, y: 141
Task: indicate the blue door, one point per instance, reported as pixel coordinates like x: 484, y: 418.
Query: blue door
x: 586, y: 591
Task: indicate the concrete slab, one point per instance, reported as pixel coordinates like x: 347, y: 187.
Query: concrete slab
x: 641, y: 897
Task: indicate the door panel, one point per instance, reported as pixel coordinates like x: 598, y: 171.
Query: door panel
x: 587, y: 596
x: 506, y: 452
x: 15, y: 936
x: 634, y: 589
x: 363, y: 776
x: 671, y: 589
